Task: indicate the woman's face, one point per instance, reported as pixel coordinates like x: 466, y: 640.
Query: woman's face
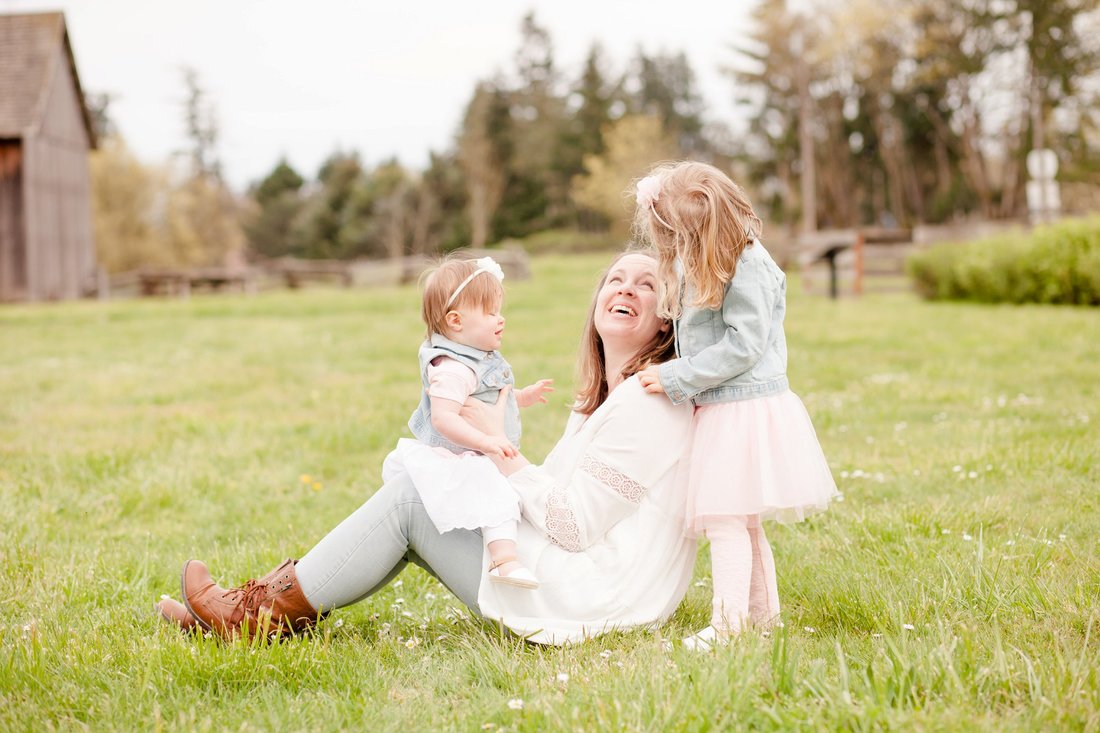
x: 626, y: 304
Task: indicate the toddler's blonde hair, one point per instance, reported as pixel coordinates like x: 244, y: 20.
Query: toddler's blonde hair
x: 484, y: 291
x: 703, y: 218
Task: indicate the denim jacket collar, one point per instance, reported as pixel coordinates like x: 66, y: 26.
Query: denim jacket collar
x: 440, y: 341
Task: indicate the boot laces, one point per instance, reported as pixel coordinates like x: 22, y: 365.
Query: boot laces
x: 250, y: 595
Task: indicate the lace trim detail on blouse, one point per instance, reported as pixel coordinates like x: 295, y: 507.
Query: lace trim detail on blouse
x: 561, y: 522
x: 624, y: 486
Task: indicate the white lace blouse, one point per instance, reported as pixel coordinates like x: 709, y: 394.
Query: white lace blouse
x: 602, y: 524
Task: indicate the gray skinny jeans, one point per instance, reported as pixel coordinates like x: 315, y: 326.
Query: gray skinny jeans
x: 369, y: 548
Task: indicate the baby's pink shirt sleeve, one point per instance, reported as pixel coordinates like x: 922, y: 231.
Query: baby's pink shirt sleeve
x: 450, y: 379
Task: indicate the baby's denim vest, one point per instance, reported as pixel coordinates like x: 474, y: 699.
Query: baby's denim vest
x: 493, y: 373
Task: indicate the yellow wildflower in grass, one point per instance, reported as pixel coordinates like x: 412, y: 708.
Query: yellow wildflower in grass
x: 305, y: 478
x: 316, y: 485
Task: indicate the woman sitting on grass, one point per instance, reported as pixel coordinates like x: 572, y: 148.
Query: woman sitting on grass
x: 602, y: 517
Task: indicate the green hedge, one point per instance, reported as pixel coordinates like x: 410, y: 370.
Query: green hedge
x: 1057, y: 263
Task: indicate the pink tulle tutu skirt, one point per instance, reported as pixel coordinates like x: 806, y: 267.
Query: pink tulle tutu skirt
x: 757, y: 456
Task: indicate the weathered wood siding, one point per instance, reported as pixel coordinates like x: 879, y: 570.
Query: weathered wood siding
x: 58, y: 224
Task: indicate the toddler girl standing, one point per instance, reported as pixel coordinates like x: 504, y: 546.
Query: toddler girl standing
x: 754, y: 452
x: 459, y: 486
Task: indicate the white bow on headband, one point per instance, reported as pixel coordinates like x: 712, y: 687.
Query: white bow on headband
x: 484, y: 264
x: 647, y: 193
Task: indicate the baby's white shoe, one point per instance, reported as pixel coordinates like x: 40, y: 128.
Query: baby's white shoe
x: 520, y: 577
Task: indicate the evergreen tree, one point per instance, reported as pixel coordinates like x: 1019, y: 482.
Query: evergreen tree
x: 484, y: 147
x: 316, y: 232
x: 666, y: 88
x: 588, y: 113
x: 278, y: 203
x: 535, y: 196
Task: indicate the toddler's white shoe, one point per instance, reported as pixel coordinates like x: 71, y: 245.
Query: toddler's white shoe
x: 705, y: 640
x: 521, y: 577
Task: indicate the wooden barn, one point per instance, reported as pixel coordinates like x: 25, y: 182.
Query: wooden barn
x: 46, y: 246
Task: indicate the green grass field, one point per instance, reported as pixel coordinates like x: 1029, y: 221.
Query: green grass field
x: 955, y: 587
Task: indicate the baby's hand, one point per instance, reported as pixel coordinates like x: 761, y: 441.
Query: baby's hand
x: 533, y: 393
x: 651, y: 380
x: 501, y: 447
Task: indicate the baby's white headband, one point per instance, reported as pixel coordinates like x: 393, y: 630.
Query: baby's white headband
x: 484, y: 264
x: 648, y: 191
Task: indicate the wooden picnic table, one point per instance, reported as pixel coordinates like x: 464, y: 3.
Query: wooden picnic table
x: 875, y: 250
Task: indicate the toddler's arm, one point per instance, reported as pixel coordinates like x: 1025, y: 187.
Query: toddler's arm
x: 532, y: 394
x: 453, y: 427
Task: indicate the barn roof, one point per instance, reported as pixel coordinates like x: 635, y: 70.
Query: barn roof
x: 28, y: 45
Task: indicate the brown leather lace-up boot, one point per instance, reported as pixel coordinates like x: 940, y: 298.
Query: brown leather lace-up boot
x: 270, y: 606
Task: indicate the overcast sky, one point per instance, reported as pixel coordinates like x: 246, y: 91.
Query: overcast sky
x: 300, y: 80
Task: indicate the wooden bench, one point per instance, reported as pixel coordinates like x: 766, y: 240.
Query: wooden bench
x: 180, y: 281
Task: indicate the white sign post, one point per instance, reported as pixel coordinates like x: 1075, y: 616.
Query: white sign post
x: 1044, y: 199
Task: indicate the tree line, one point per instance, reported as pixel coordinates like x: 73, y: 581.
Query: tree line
x: 864, y: 112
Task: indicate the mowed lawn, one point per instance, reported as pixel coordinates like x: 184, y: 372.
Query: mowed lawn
x: 957, y: 586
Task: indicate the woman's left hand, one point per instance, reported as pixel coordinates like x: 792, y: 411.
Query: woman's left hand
x: 489, y: 419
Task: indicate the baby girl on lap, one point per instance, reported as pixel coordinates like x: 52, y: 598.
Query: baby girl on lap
x: 459, y: 486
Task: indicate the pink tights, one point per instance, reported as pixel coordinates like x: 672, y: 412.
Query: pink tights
x: 743, y: 571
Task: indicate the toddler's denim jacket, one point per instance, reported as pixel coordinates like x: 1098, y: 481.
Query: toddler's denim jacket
x: 738, y: 351
x: 493, y: 373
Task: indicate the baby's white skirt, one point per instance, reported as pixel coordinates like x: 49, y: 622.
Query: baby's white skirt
x: 757, y: 456
x: 459, y: 490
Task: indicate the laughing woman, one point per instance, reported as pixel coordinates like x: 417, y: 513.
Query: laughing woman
x: 602, y: 516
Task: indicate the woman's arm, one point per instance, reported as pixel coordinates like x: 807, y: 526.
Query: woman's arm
x: 636, y: 445
x: 747, y: 315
